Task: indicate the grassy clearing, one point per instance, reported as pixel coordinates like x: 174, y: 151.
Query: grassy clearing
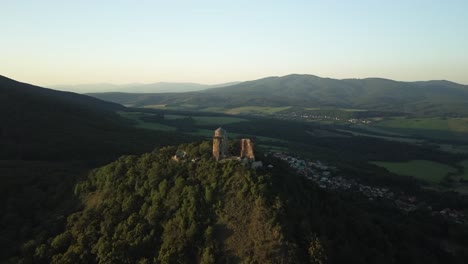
x: 336, y: 109
x: 208, y: 120
x: 398, y: 139
x: 429, y: 171
x: 174, y: 117
x: 213, y: 109
x: 454, y: 148
x: 217, y: 120
x: 256, y: 110
x: 155, y: 126
x: 464, y: 164
x: 155, y: 106
x: 203, y: 132
x: 135, y: 116
x: 379, y: 130
x: 437, y: 127
x: 459, y: 125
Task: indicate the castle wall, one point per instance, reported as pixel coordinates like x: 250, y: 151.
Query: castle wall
x: 247, y: 149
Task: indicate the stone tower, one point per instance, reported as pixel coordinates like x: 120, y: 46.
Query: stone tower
x: 247, y: 149
x: 220, y: 144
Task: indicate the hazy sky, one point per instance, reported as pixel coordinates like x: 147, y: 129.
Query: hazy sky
x: 68, y: 42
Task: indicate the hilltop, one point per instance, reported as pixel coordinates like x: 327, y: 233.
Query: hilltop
x: 420, y: 98
x: 150, y: 208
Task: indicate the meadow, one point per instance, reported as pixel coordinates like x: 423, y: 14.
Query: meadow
x: 429, y: 171
x: 139, y: 123
x: 208, y: 120
x: 434, y: 127
x: 256, y: 110
x: 464, y: 175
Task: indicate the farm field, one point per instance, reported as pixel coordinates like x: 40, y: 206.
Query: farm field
x: 135, y: 116
x: 464, y: 164
x: 337, y: 109
x: 217, y: 120
x: 208, y: 120
x: 442, y: 128
x: 256, y: 110
x: 429, y: 171
x: 451, y: 124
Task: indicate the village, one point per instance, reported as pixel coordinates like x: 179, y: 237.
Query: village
x: 327, y: 177
x: 324, y: 175
x: 321, y: 117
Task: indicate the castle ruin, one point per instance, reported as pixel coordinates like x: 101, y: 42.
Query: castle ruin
x: 247, y: 149
x: 220, y: 147
x: 220, y: 144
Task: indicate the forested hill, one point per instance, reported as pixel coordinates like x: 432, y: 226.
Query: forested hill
x: 44, y: 124
x: 152, y: 209
x: 48, y: 139
x: 423, y: 98
x: 30, y: 97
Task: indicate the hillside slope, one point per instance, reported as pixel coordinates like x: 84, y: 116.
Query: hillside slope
x: 44, y: 124
x: 151, y: 209
x: 425, y: 98
x: 48, y: 139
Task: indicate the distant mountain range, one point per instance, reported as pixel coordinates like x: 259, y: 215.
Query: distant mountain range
x: 160, y: 87
x: 422, y: 98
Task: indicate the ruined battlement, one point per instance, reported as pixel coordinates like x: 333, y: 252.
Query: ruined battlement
x: 247, y: 149
x: 220, y: 146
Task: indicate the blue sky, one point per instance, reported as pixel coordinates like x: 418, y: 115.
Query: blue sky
x: 70, y: 42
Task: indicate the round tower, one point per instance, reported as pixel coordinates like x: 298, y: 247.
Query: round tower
x: 220, y: 143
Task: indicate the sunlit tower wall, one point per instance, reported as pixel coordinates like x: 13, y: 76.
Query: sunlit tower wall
x: 220, y: 143
x: 247, y: 149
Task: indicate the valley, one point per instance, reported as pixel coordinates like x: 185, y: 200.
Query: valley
x: 441, y: 175
x: 382, y: 167
x: 232, y: 132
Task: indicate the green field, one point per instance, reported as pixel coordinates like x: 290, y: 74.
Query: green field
x: 451, y: 124
x: 217, y: 120
x: 336, y: 109
x: 454, y: 148
x: 208, y: 120
x: 437, y: 127
x: 429, y: 171
x: 155, y: 106
x: 464, y: 164
x: 256, y: 110
x: 135, y: 116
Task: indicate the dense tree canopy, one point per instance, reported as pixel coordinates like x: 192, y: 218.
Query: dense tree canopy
x: 152, y: 209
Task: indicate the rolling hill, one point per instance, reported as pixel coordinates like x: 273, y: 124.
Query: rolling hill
x: 48, y: 139
x: 159, y: 87
x: 422, y: 98
x: 44, y: 124
x: 151, y: 209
